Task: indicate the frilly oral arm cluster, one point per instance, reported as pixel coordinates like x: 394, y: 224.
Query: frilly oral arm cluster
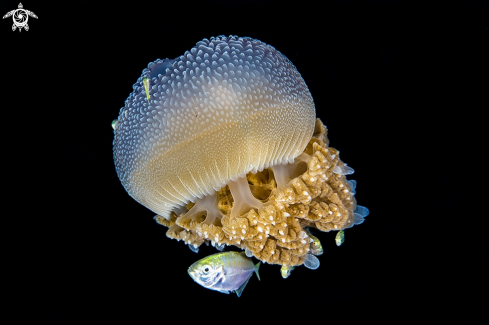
x: 267, y: 213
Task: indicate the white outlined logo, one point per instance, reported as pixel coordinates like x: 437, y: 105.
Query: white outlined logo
x: 20, y: 17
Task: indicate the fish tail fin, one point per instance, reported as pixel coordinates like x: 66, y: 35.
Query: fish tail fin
x: 257, y: 266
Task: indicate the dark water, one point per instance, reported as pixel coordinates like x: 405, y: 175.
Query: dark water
x: 395, y: 82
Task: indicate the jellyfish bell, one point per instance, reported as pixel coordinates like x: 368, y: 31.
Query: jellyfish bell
x: 222, y: 143
x: 227, y: 107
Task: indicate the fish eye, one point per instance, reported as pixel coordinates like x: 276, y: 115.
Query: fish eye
x: 206, y: 269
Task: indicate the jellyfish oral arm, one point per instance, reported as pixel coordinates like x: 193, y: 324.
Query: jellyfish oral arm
x: 243, y: 198
x: 284, y: 173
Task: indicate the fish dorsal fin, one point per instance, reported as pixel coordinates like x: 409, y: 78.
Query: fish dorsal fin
x: 239, y: 291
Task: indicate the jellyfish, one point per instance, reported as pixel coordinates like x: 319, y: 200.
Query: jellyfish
x: 223, y: 145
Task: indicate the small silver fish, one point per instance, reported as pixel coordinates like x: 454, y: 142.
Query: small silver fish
x: 340, y: 238
x: 146, y: 87
x: 285, y: 271
x: 315, y: 247
x: 224, y: 272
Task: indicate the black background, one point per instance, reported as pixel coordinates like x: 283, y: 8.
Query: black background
x: 397, y: 83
